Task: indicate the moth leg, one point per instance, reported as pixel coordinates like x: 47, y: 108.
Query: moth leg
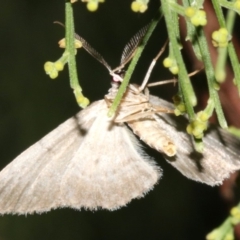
x: 158, y: 109
x: 147, y: 113
x: 143, y: 86
x: 137, y: 116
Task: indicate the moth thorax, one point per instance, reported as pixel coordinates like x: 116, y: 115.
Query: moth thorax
x: 114, y: 88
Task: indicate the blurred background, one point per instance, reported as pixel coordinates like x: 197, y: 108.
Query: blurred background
x: 31, y: 105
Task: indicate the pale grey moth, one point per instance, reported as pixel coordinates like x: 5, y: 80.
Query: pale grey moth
x: 92, y: 162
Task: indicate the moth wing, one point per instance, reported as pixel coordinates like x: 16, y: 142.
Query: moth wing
x: 31, y: 182
x: 108, y: 170
x: 221, y: 155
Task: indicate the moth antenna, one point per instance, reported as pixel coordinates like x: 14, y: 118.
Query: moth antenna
x: 93, y: 52
x: 152, y: 66
x: 131, y: 46
x: 90, y: 49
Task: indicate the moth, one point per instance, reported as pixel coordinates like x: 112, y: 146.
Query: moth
x: 92, y: 161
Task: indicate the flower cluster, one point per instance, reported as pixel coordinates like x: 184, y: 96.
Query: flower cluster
x: 171, y: 64
x: 77, y: 43
x: 200, y: 124
x: 180, y: 107
x: 139, y: 5
x: 197, y: 17
x: 92, y: 5
x: 52, y: 68
x: 221, y: 37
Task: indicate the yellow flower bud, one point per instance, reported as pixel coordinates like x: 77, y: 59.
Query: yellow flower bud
x: 177, y: 112
x: 167, y: 62
x: 199, y: 19
x: 237, y: 5
x: 139, y: 5
x: 59, y: 65
x: 135, y: 6
x: 181, y: 107
x: 189, y: 129
x: 83, y: 102
x: 216, y: 86
x: 235, y: 211
x: 143, y: 8
x: 202, y: 116
x: 215, y: 234
x: 174, y: 70
x: 190, y: 12
x: 220, y: 38
x: 62, y: 43
x: 53, y: 74
x: 92, y: 6
x: 48, y: 67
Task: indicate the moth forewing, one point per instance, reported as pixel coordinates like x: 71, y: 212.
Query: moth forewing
x: 18, y: 179
x: 86, y: 162
x: 219, y: 158
x: 110, y: 172
x: 22, y: 190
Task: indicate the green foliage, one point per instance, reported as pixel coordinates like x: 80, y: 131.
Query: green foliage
x: 225, y: 230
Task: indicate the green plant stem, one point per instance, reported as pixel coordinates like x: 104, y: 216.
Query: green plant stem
x: 228, y: 4
x: 235, y: 65
x: 191, y: 34
x: 235, y: 131
x: 211, y: 77
x: 180, y: 9
x: 132, y: 66
x: 177, y: 8
x: 220, y: 69
x: 70, y: 50
x: 218, y: 12
x: 186, y: 87
x: 231, y: 51
x: 220, y: 232
x: 226, y: 229
x: 198, y: 3
x: 229, y: 25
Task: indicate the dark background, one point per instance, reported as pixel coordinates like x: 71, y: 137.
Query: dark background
x: 31, y: 105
